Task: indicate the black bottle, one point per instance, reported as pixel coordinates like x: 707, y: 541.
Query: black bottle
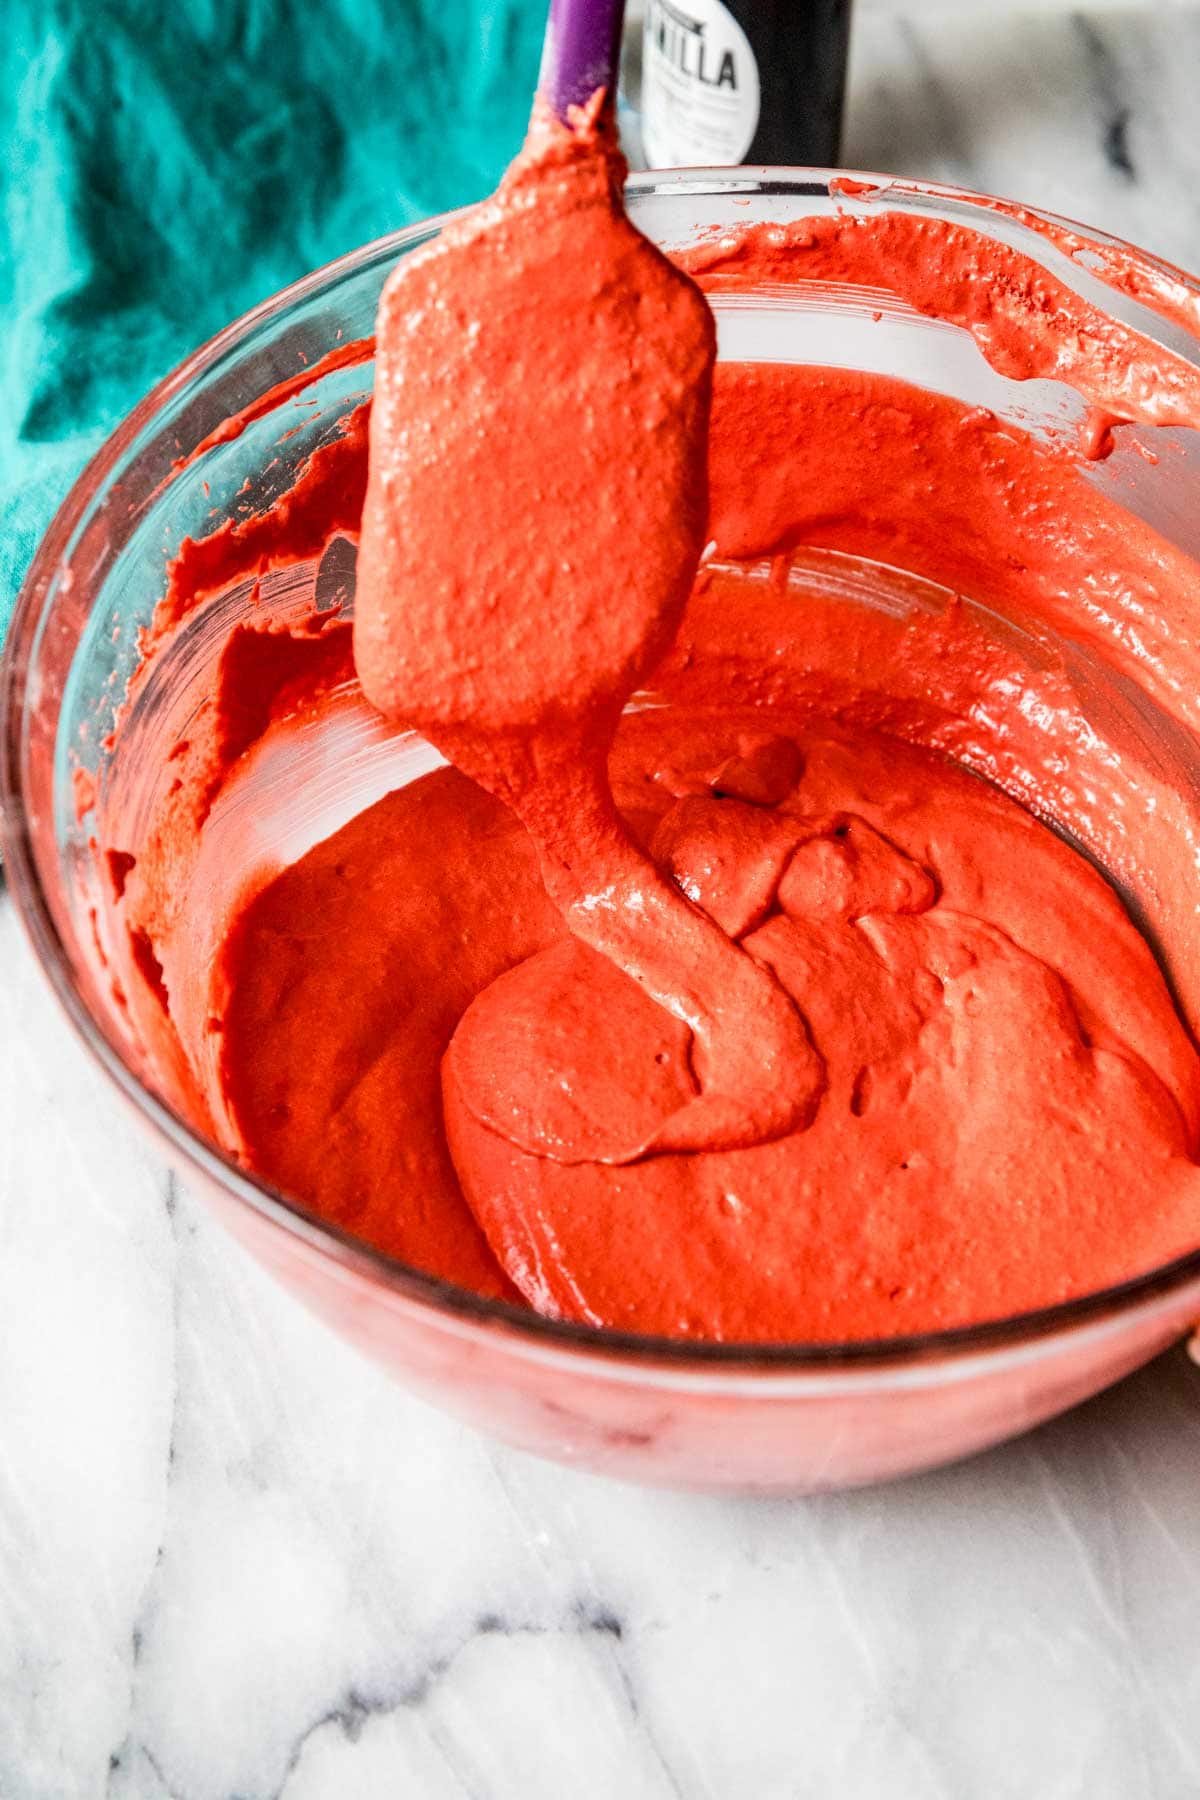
x: 743, y: 81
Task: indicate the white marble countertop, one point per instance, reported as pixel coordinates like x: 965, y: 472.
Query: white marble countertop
x: 235, y: 1561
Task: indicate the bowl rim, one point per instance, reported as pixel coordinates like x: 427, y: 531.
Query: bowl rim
x: 431, y: 1293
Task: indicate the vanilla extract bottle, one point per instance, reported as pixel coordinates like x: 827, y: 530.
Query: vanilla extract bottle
x: 743, y: 81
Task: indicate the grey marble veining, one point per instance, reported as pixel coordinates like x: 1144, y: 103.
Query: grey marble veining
x: 1090, y: 114
x: 235, y: 1561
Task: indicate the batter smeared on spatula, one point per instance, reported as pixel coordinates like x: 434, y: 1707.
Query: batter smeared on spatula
x: 535, y: 514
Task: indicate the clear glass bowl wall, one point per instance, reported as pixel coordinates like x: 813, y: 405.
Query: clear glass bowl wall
x: 790, y: 1418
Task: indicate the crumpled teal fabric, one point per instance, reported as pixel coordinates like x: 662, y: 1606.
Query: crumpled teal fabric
x: 165, y: 167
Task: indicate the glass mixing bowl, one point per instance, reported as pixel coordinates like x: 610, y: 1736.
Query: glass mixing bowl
x: 780, y: 1418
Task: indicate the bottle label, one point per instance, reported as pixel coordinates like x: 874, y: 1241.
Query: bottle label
x: 700, y: 95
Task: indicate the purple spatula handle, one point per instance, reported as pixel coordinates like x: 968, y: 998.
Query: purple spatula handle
x: 581, y: 52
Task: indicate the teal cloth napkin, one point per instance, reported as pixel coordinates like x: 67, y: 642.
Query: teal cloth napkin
x: 165, y: 168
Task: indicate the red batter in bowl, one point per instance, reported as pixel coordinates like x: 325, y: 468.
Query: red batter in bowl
x: 768, y: 1018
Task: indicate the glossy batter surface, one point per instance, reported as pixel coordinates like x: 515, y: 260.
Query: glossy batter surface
x: 1007, y: 1084
x: 764, y: 1020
